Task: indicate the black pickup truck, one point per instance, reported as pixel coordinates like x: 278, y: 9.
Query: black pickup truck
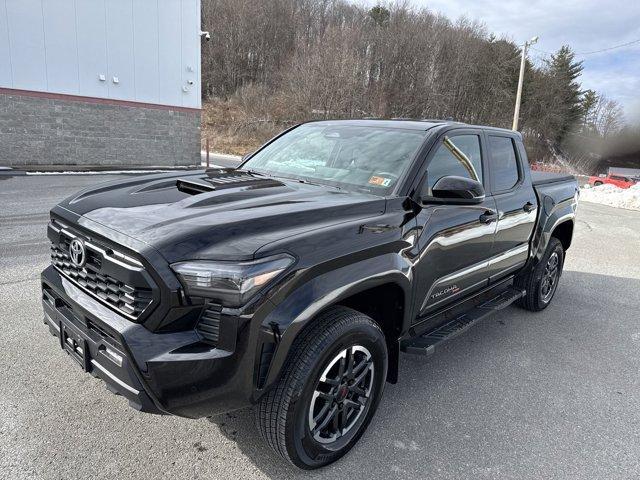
x: 292, y: 283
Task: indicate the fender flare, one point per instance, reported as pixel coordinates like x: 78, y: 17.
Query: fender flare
x: 302, y: 305
x: 561, y: 213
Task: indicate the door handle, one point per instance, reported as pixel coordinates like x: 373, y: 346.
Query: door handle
x: 488, y: 216
x: 375, y: 228
x: 529, y: 207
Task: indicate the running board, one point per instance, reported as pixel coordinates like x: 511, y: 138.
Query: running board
x: 427, y: 343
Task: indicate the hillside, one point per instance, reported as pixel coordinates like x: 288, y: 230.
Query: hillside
x: 272, y: 64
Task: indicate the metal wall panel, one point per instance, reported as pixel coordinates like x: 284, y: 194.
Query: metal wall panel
x: 92, y: 48
x: 26, y: 40
x: 5, y: 54
x: 145, y: 34
x: 170, y: 51
x: 61, y: 51
x: 190, y: 55
x: 120, y: 49
x: 138, y: 50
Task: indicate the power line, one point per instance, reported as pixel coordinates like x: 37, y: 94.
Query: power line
x: 610, y: 48
x: 633, y: 42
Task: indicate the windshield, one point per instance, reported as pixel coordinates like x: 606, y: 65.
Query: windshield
x: 362, y: 158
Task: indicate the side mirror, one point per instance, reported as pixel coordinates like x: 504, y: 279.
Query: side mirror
x: 455, y: 190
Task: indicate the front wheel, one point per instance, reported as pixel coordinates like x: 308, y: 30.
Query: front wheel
x: 329, y: 390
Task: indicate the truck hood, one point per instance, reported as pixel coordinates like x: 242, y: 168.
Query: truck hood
x: 217, y: 215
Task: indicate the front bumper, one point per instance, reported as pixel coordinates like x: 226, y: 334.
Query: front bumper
x: 163, y: 373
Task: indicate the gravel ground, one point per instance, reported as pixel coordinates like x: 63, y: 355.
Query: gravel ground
x: 522, y: 395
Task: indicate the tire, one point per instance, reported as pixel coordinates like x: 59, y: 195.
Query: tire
x: 283, y: 415
x: 597, y: 184
x: 539, y: 292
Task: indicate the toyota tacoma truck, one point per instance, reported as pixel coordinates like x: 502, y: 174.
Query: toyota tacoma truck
x: 293, y: 283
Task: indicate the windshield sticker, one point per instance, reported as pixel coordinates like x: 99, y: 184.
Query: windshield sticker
x: 380, y: 181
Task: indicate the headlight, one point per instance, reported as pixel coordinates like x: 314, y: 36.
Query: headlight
x: 232, y: 284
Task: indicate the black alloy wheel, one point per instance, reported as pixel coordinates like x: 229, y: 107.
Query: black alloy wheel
x: 342, y: 394
x: 329, y: 390
x: 550, y: 277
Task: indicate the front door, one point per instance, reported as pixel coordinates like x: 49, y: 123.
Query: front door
x: 456, y: 240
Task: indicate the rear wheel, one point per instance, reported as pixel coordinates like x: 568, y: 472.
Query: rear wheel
x: 541, y: 282
x: 329, y: 390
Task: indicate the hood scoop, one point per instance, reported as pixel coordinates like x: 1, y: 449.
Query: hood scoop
x: 221, y: 179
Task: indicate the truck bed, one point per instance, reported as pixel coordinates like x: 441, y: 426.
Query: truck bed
x: 543, y: 178
x: 553, y: 189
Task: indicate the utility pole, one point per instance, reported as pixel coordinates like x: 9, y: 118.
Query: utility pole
x: 523, y: 61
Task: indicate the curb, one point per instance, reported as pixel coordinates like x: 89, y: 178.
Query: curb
x: 103, y: 168
x: 91, y: 170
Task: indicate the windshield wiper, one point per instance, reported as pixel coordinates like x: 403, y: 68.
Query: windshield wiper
x: 307, y: 182
x: 320, y: 184
x: 295, y: 179
x: 260, y: 174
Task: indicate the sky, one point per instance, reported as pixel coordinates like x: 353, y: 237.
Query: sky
x: 584, y: 25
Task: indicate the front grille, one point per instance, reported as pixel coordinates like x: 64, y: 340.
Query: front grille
x: 209, y: 324
x: 128, y: 300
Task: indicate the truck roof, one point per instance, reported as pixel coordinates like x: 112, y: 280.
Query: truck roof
x: 410, y: 124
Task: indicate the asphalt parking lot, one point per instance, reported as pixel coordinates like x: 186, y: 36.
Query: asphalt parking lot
x: 548, y: 395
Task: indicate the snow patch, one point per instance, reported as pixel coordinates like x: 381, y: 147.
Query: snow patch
x: 227, y: 156
x: 612, y: 196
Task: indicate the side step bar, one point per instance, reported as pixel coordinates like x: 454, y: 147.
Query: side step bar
x: 427, y: 343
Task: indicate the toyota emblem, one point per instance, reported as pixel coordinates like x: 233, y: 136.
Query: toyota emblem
x: 77, y: 252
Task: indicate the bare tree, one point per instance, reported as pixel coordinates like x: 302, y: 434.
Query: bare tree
x: 608, y: 117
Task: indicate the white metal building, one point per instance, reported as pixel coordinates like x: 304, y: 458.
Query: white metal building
x: 120, y: 54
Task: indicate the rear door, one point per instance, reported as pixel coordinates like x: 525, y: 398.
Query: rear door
x: 516, y: 202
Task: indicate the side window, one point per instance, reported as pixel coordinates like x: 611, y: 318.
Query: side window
x: 504, y: 164
x: 446, y: 160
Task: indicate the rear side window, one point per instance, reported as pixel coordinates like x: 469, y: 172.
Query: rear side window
x: 445, y: 161
x: 504, y: 163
